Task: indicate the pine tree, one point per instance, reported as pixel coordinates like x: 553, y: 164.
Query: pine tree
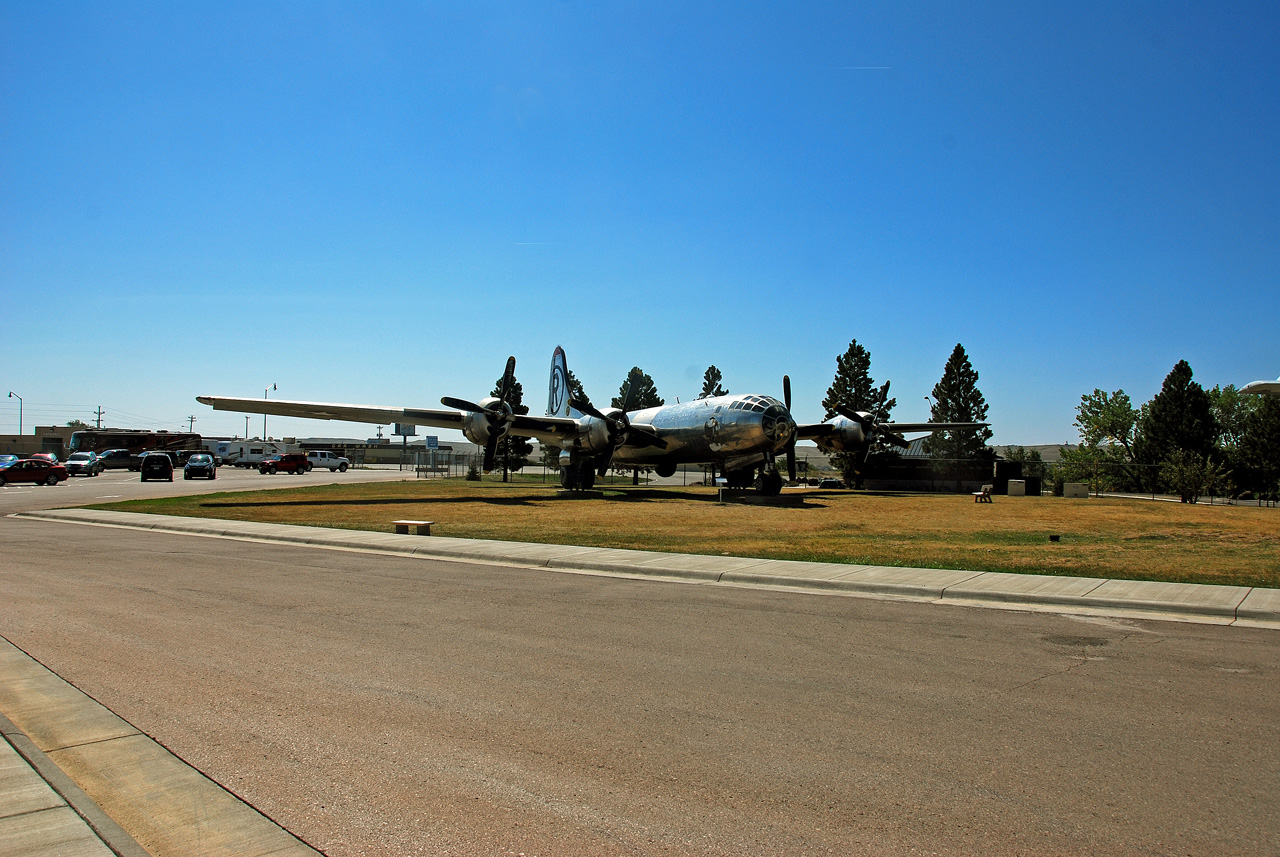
x: 957, y: 399
x: 853, y: 388
x: 711, y: 384
x: 512, y: 451
x: 645, y: 394
x: 576, y: 393
x: 1179, y: 417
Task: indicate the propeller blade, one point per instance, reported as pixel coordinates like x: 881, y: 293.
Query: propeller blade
x: 786, y: 394
x: 866, y: 422
x: 640, y: 436
x: 605, y: 461
x: 895, y: 439
x: 588, y: 409
x: 507, y: 377
x: 462, y: 405
x: 491, y: 450
x: 628, y: 396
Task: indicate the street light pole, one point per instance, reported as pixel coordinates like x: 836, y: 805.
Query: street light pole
x: 264, y: 416
x: 246, y: 428
x: 13, y: 395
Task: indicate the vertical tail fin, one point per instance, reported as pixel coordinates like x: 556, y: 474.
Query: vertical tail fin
x: 558, y: 395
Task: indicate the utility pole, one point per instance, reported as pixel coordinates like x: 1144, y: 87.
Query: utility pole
x: 264, y: 416
x: 191, y: 421
x: 246, y: 428
x: 98, y: 414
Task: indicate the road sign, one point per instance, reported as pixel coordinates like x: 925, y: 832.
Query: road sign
x: 433, y: 442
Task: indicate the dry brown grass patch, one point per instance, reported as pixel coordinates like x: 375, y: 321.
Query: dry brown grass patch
x: 1134, y: 539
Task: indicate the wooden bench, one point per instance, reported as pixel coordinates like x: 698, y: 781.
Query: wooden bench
x: 421, y: 528
x: 983, y: 496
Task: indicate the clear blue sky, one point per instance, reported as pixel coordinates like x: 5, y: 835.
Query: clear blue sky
x: 378, y: 202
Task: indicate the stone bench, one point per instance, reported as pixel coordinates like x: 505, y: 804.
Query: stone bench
x: 421, y: 528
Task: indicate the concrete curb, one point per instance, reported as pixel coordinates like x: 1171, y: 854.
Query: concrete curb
x: 1242, y: 605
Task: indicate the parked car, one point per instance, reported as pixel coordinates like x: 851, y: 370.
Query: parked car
x: 51, y: 457
x: 84, y: 464
x: 324, y: 458
x: 200, y: 464
x: 156, y: 465
x: 38, y: 470
x: 290, y: 462
x: 830, y: 483
x: 6, y: 460
x: 115, y: 459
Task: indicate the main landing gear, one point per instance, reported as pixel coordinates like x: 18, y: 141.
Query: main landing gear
x: 579, y: 476
x: 766, y: 480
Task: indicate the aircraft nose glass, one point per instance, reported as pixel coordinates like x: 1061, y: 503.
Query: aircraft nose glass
x: 776, y: 423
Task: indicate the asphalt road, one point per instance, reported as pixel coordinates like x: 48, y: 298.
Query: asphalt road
x: 383, y: 705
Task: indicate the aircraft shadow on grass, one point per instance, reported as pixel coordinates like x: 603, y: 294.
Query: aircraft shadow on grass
x: 631, y: 495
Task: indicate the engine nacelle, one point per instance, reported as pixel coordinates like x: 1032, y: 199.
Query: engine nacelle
x: 847, y: 436
x: 476, y: 427
x: 597, y: 434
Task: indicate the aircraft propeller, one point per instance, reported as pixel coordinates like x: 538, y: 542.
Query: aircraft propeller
x: 620, y: 429
x: 497, y: 414
x: 791, y: 444
x: 871, y: 425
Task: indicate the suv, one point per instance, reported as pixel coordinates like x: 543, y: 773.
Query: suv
x: 290, y: 462
x: 324, y: 458
x: 156, y: 465
x: 113, y: 459
x: 85, y: 463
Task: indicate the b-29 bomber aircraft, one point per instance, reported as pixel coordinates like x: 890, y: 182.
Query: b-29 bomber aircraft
x: 741, y: 435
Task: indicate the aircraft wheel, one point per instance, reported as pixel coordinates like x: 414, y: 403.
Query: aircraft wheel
x: 569, y: 477
x: 586, y: 478
x: 768, y: 483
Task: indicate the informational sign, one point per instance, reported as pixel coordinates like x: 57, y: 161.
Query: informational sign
x: 403, y: 429
x: 433, y: 442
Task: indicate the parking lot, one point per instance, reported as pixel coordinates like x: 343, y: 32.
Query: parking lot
x: 127, y: 485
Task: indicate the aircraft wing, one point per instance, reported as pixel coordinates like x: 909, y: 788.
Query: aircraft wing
x: 1262, y: 388
x: 528, y: 426
x: 910, y: 428
x: 808, y: 431
x: 330, y: 411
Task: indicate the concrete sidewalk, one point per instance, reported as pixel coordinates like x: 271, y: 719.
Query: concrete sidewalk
x: 75, y: 779
x: 1224, y: 605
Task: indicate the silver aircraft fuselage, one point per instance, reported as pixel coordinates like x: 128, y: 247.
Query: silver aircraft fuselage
x: 712, y: 429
